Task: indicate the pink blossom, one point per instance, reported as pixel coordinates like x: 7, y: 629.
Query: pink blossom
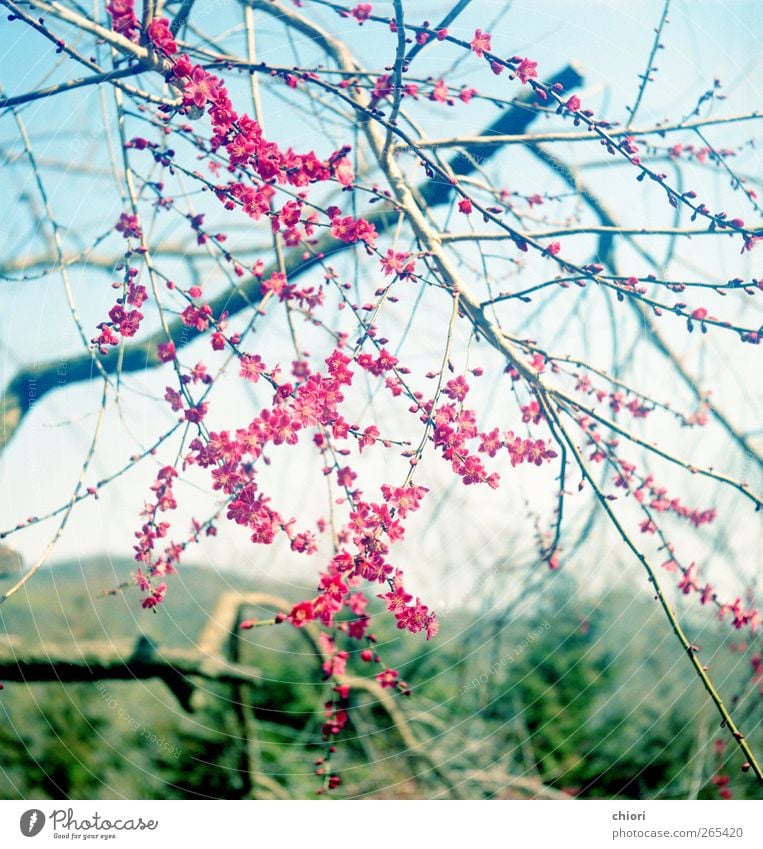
x: 165, y: 351
x: 457, y: 388
x: 252, y: 367
x: 688, y: 582
x: 128, y: 226
x: 362, y: 12
x: 301, y: 614
x: 526, y: 70
x: 480, y: 43
x: 440, y: 92
x: 160, y: 36
x: 123, y: 19
x: 399, y: 263
x: 388, y: 678
x: 200, y: 88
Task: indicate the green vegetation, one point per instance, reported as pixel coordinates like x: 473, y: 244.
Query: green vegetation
x: 581, y: 697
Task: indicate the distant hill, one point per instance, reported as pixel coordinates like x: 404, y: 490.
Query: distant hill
x: 82, y: 600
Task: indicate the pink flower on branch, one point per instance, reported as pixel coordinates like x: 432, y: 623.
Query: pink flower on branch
x: 526, y: 70
x: 480, y: 43
x: 362, y: 12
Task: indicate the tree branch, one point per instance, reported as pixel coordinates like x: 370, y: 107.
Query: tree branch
x: 34, y: 382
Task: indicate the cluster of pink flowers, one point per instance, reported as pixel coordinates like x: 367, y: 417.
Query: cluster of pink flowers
x: 643, y: 488
x: 439, y: 91
x: 154, y: 593
x: 254, y: 200
x: 125, y: 322
x: 531, y: 413
x: 246, y: 147
x: 128, y: 226
x: 411, y: 615
x: 656, y: 497
x: 699, y: 154
x: 161, y: 37
x: 123, y: 20
x: 231, y: 463
x: 351, y: 230
x: 122, y: 320
x: 616, y: 399
x: 198, y: 317
x: 364, y: 558
x: 379, y: 365
x: 453, y: 430
x: 231, y: 459
x: 398, y: 263
x: 455, y: 427
x: 741, y: 615
x: 525, y: 450
x: 152, y: 531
